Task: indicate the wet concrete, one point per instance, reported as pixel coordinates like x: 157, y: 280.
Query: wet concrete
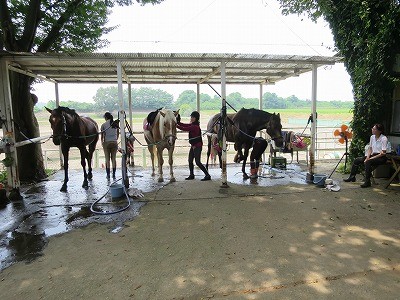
x: 26, y: 225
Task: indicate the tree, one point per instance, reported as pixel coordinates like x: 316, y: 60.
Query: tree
x: 367, y: 35
x: 106, y: 99
x: 187, y: 99
x: 272, y: 101
x: 48, y: 26
x: 151, y: 99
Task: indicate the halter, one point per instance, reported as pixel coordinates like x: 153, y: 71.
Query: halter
x: 170, y: 135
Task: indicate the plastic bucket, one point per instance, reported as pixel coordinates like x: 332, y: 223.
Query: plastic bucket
x: 319, y: 179
x: 117, y: 190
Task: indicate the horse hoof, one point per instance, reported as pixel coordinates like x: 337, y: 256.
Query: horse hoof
x: 160, y: 179
x: 63, y: 188
x: 90, y: 176
x: 153, y: 174
x: 245, y: 176
x: 85, y: 184
x: 172, y: 179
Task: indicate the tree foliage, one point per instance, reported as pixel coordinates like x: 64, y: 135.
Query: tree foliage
x: 367, y: 35
x: 48, y: 26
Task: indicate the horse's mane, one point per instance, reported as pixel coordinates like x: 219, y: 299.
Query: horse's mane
x: 67, y: 110
x: 253, y: 112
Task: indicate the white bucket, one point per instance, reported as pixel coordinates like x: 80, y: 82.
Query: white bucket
x: 117, y: 190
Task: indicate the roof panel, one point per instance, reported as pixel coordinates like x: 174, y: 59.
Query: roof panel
x: 164, y: 67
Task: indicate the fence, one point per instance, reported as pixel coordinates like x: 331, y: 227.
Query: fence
x: 327, y: 147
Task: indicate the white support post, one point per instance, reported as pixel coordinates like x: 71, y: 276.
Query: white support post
x: 224, y: 177
x: 198, y: 98
x: 260, y: 99
x: 313, y: 123
x: 6, y: 114
x: 122, y: 125
x: 130, y: 103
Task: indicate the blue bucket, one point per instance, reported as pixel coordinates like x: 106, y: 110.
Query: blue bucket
x: 117, y: 190
x: 319, y: 179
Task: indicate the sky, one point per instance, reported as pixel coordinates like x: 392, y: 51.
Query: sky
x: 219, y: 26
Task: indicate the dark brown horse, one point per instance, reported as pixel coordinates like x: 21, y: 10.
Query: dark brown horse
x: 72, y: 130
x: 242, y: 128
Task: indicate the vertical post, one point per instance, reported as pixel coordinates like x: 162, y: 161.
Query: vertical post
x: 57, y: 105
x: 6, y: 114
x: 310, y: 174
x: 224, y: 179
x: 130, y: 103
x: 260, y: 99
x: 198, y: 98
x: 122, y: 125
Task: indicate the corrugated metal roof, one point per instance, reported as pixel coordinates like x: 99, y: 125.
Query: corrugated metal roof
x: 174, y: 68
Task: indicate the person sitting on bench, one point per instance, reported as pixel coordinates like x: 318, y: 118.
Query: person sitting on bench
x: 376, y: 155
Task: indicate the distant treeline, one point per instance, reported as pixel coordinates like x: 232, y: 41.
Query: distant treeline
x: 146, y: 99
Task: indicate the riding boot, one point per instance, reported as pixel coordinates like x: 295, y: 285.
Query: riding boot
x: 352, y: 176
x: 114, y: 169
x: 253, y: 169
x: 108, y: 173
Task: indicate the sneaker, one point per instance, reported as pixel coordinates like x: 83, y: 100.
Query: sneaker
x: 207, y: 177
x: 191, y: 177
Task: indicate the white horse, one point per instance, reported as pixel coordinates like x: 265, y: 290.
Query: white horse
x: 161, y: 135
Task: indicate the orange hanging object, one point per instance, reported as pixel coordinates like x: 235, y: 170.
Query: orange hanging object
x: 344, y: 127
x: 341, y: 140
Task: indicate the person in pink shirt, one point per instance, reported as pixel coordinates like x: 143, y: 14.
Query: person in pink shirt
x: 196, y: 142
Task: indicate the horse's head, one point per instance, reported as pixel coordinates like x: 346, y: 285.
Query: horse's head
x: 274, y: 129
x: 58, y: 124
x: 168, y: 125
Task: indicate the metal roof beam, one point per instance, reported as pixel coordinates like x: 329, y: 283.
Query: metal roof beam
x: 317, y: 60
x: 27, y: 73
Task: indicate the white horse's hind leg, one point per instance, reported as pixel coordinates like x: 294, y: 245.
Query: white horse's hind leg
x: 160, y: 164
x: 151, y: 150
x: 171, y: 162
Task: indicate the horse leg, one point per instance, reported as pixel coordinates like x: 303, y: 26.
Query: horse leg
x: 245, y: 155
x: 171, y: 162
x: 65, y: 152
x: 83, y: 164
x: 151, y: 150
x: 160, y: 164
x: 208, y: 150
x: 92, y: 148
x: 88, y: 157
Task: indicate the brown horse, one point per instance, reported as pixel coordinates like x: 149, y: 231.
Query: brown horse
x: 162, y: 135
x: 241, y: 128
x: 72, y: 130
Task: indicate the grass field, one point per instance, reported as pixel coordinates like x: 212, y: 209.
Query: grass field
x: 292, y: 119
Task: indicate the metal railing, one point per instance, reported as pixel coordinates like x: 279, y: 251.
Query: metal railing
x: 327, y: 147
